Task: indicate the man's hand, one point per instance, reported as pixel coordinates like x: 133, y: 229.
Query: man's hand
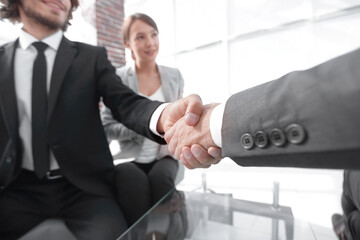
x: 189, y: 108
x: 182, y: 135
x: 186, y: 123
x: 199, y: 157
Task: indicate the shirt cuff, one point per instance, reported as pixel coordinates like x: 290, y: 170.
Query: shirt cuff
x: 155, y: 118
x: 216, y: 123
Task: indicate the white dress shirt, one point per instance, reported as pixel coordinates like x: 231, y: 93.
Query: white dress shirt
x: 216, y: 119
x: 23, y: 68
x: 150, y: 149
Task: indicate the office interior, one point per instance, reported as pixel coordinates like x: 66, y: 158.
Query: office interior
x: 225, y: 46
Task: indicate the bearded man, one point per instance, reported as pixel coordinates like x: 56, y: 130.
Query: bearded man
x: 54, y: 157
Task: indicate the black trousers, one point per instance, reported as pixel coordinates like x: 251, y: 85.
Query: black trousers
x: 139, y: 186
x: 28, y: 201
x: 350, y: 202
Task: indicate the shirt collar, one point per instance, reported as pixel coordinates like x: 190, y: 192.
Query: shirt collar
x: 26, y: 39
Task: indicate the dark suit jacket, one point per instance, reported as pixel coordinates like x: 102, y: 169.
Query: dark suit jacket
x: 324, y: 101
x: 82, y: 75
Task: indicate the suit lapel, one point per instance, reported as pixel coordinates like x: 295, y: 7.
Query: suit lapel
x: 7, y: 87
x: 132, y: 81
x: 63, y: 60
x: 164, y: 78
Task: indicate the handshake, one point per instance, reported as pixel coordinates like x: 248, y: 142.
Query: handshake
x: 186, y: 124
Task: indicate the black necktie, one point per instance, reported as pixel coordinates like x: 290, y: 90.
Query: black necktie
x: 39, y: 112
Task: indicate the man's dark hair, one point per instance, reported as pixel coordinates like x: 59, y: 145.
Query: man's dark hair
x: 9, y: 9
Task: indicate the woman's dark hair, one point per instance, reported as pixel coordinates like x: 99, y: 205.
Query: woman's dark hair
x: 10, y: 10
x: 131, y: 19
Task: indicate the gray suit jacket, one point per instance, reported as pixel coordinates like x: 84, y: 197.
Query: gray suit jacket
x: 324, y: 101
x: 130, y: 142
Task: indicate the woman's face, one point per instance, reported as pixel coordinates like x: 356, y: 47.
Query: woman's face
x: 143, y: 41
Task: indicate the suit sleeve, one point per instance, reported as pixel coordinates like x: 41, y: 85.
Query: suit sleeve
x: 304, y: 119
x: 126, y: 106
x: 115, y: 130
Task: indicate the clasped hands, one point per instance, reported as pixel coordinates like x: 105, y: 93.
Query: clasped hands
x: 186, y: 124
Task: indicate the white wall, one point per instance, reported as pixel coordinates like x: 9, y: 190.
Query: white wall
x: 8, y: 32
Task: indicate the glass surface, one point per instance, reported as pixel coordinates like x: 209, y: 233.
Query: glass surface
x: 194, y: 215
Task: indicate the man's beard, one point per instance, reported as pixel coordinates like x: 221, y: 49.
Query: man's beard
x: 53, y: 25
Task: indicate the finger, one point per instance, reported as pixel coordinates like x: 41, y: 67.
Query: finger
x: 216, y: 153
x: 202, y: 155
x: 184, y: 162
x: 172, y: 139
x: 190, y: 107
x: 193, y: 160
x: 172, y: 147
x: 172, y: 144
x: 169, y: 134
x: 193, y: 109
x: 178, y: 151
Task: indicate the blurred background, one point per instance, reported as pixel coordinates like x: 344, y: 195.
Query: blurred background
x: 225, y: 46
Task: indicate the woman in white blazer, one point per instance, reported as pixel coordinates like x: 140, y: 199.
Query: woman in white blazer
x: 151, y: 175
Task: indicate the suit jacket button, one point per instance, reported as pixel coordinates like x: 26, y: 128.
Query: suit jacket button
x: 247, y: 141
x: 277, y: 137
x: 295, y: 133
x: 2, y: 188
x: 261, y: 139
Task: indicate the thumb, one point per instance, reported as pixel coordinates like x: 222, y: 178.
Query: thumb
x: 193, y: 109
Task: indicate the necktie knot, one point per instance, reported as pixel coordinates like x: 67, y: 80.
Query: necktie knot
x: 40, y: 46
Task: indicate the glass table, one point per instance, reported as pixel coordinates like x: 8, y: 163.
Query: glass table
x: 192, y: 215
